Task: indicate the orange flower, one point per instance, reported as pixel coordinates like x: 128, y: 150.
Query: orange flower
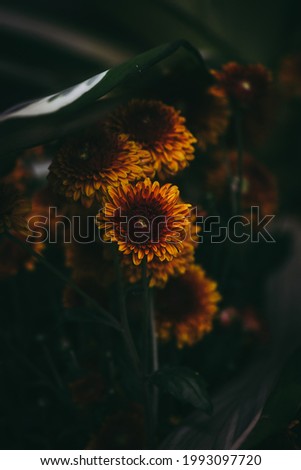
x: 186, y: 307
x: 145, y: 220
x: 14, y: 210
x: 244, y: 84
x: 159, y: 129
x: 86, y: 164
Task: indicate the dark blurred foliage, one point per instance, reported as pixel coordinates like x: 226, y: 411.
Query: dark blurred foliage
x: 48, y: 352
x: 50, y: 45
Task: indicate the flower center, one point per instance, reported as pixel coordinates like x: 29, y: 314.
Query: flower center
x: 141, y: 224
x: 245, y: 85
x: 148, y: 123
x: 144, y: 223
x: 92, y: 151
x: 84, y: 153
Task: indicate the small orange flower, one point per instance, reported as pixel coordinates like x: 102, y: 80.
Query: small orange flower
x: 244, y: 84
x: 159, y: 129
x: 186, y: 307
x: 14, y: 210
x: 145, y: 220
x: 86, y: 164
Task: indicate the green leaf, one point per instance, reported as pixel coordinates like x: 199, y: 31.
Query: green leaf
x: 282, y: 405
x: 54, y: 116
x: 185, y: 385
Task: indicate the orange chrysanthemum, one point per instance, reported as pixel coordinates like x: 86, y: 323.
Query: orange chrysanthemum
x: 158, y: 128
x: 185, y: 309
x: 210, y: 117
x: 14, y: 210
x: 244, y: 84
x: 85, y: 165
x: 145, y: 220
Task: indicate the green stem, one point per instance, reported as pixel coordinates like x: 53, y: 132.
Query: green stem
x: 107, y: 318
x: 155, y: 361
x: 153, y: 335
x: 151, y: 362
x: 52, y: 367
x: 146, y: 317
x: 126, y: 331
x: 148, y: 357
x: 142, y: 373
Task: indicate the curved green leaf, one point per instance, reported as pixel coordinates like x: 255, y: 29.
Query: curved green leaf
x: 52, y: 117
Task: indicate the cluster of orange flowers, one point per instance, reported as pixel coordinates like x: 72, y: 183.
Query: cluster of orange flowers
x: 117, y: 170
x: 120, y: 167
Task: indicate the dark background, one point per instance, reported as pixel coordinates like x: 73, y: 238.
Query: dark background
x: 48, y: 46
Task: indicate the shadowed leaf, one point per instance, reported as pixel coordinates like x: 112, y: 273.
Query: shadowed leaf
x: 54, y: 116
x: 185, y: 385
